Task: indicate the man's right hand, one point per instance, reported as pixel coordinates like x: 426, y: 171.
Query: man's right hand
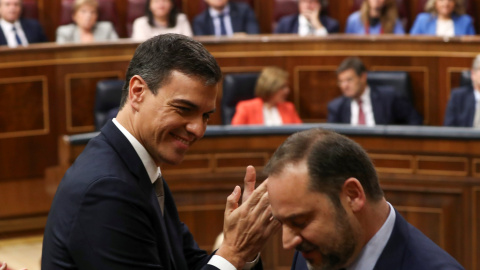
x: 247, y: 227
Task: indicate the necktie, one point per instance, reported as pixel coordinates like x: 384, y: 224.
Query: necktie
x: 158, y: 185
x: 361, y: 114
x: 17, y: 37
x: 476, y: 119
x: 223, y: 30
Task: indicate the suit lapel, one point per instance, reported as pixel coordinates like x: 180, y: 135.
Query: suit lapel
x: 26, y: 30
x: 3, y: 39
x: 133, y: 162
x: 234, y: 18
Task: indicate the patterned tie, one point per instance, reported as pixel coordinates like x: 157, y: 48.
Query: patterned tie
x: 223, y: 29
x: 158, y: 185
x: 361, y: 114
x: 17, y: 37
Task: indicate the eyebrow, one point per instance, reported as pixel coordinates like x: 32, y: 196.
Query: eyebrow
x: 191, y: 104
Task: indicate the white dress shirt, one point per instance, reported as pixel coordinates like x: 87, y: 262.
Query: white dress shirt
x: 154, y: 173
x: 7, y: 29
x: 366, y: 107
x: 306, y: 28
x: 271, y: 116
x: 370, y: 253
x: 445, y: 28
x: 226, y: 20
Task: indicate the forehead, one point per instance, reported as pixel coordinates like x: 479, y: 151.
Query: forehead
x: 10, y: 2
x: 181, y: 86
x: 348, y: 73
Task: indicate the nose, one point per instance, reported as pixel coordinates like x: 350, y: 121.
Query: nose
x: 290, y: 239
x: 197, y: 127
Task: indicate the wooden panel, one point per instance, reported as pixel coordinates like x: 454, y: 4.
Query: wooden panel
x: 442, y: 165
x: 393, y: 163
x: 476, y: 227
x: 25, y: 100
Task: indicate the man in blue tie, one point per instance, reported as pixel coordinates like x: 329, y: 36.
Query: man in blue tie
x: 224, y: 18
x: 16, y: 31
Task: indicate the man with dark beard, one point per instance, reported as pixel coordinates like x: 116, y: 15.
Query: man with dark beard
x: 324, y: 190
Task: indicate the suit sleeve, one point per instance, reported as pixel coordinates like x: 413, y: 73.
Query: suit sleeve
x: 112, y: 34
x: 417, y: 25
x: 470, y: 28
x: 61, y: 36
x: 333, y: 115
x: 281, y: 27
x: 451, y: 112
x: 199, y: 26
x: 251, y: 24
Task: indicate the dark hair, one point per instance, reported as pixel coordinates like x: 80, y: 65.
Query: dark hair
x: 331, y: 159
x: 352, y: 63
x: 172, y: 15
x: 155, y: 59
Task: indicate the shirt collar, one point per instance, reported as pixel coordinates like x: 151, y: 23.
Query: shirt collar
x: 215, y: 13
x: 476, y: 93
x: 6, y: 24
x: 365, y: 97
x: 373, y: 249
x: 152, y: 169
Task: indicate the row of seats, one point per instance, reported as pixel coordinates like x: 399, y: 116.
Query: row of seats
x: 241, y: 86
x: 136, y: 8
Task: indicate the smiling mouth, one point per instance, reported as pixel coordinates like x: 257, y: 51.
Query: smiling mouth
x: 182, y: 140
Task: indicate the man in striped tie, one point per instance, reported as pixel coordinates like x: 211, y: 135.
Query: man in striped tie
x: 16, y: 31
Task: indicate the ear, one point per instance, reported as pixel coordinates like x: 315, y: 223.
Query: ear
x: 352, y: 189
x: 363, y: 77
x: 136, y: 91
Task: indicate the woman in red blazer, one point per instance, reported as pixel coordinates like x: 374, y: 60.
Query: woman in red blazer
x: 270, y: 106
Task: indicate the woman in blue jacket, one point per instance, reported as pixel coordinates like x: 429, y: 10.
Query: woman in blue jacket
x: 375, y: 17
x: 443, y: 18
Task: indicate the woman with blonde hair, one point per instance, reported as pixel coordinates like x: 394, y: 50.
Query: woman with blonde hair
x: 270, y: 107
x: 443, y: 18
x: 85, y: 27
x: 375, y: 17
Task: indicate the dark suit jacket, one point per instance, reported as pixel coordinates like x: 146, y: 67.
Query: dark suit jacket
x: 289, y: 24
x: 407, y: 249
x: 388, y: 108
x: 105, y: 215
x: 461, y: 108
x: 242, y: 17
x: 33, y: 31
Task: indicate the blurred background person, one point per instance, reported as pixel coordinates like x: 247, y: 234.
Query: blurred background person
x: 311, y: 20
x: 16, y: 31
x: 224, y: 18
x: 463, y: 109
x: 85, y: 27
x: 161, y: 17
x: 361, y: 104
x: 443, y: 18
x: 375, y: 17
x: 270, y: 107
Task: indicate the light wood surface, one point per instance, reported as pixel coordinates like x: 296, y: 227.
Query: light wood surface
x: 23, y: 252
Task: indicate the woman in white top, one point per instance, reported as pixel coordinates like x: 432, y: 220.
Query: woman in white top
x: 161, y: 17
x: 443, y: 18
x: 85, y: 27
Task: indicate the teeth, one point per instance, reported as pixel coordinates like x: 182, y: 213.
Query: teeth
x: 182, y: 140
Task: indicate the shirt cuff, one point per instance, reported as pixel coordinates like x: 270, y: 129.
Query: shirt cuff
x: 221, y: 263
x: 321, y: 32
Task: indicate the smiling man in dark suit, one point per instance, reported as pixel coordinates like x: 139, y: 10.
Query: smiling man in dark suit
x: 113, y: 209
x: 362, y: 104
x: 16, y: 31
x: 225, y: 18
x: 324, y: 190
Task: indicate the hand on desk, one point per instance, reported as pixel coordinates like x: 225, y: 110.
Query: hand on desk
x: 247, y: 227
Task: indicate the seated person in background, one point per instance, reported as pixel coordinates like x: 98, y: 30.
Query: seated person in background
x: 85, y: 27
x: 375, y: 17
x: 161, y: 17
x: 362, y: 104
x: 269, y: 107
x: 443, y: 18
x: 463, y: 109
x: 310, y: 20
x: 16, y: 31
x: 224, y: 18
x: 324, y: 190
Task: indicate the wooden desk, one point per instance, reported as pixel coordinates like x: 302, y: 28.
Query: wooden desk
x: 429, y: 174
